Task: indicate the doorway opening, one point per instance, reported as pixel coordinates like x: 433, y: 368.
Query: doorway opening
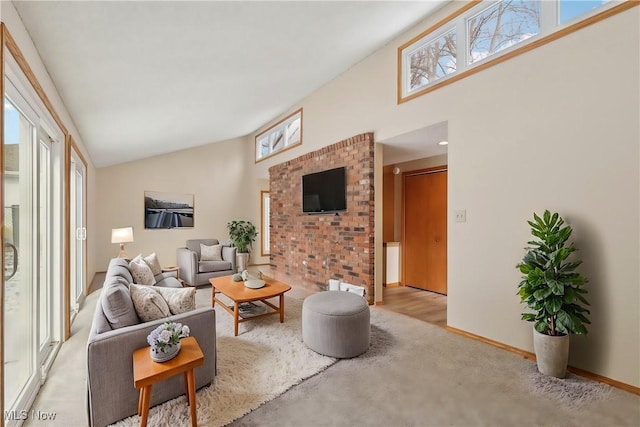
x: 415, y: 224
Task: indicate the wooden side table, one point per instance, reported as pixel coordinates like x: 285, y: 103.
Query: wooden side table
x: 146, y: 373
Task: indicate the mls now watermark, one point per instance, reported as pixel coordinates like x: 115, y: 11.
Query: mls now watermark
x: 24, y: 415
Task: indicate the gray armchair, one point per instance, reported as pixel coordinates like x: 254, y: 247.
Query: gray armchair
x: 196, y: 272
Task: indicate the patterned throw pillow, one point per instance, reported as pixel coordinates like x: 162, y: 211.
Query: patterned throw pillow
x: 179, y: 300
x: 148, y: 303
x: 153, y: 263
x: 210, y: 253
x: 141, y: 272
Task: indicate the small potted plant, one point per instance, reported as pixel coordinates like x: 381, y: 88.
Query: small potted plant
x: 165, y: 340
x: 242, y: 235
x: 554, y: 291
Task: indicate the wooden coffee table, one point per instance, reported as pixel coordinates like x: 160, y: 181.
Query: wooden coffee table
x: 239, y: 293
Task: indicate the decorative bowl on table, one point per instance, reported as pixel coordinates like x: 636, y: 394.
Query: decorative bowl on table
x: 254, y: 283
x: 164, y: 354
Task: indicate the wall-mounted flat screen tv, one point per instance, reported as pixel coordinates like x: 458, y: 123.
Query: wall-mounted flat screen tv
x: 325, y: 192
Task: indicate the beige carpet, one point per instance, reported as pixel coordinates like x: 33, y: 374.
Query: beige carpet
x: 414, y: 374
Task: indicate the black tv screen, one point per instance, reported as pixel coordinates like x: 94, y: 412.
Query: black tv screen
x: 325, y: 192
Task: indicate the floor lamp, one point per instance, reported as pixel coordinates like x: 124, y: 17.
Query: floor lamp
x: 122, y: 236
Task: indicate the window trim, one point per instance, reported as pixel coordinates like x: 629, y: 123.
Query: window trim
x: 545, y: 36
x: 279, y: 124
x: 266, y: 232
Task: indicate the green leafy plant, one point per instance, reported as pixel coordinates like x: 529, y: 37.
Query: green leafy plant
x: 550, y: 286
x: 242, y: 235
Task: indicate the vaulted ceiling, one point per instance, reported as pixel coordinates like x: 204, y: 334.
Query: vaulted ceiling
x: 150, y: 77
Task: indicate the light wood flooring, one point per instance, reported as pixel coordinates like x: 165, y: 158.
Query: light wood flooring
x: 423, y: 305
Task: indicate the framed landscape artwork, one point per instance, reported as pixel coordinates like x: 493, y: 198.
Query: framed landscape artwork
x: 168, y: 210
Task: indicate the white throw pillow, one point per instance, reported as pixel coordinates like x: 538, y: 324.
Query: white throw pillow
x: 148, y: 303
x: 179, y: 300
x: 141, y: 272
x: 153, y: 263
x: 210, y: 253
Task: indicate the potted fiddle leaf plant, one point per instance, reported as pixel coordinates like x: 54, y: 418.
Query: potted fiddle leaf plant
x: 242, y: 235
x: 553, y: 291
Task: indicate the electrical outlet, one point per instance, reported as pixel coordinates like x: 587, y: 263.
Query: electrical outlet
x: 461, y: 216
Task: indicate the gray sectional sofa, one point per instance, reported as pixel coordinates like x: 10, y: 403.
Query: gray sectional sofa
x: 117, y: 331
x: 196, y: 272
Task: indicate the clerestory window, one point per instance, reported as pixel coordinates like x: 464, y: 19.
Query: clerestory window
x: 285, y: 134
x: 483, y: 31
x: 500, y: 26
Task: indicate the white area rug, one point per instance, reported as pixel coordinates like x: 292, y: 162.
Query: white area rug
x: 264, y: 361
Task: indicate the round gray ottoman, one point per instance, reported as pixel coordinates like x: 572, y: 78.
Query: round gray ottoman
x: 336, y: 324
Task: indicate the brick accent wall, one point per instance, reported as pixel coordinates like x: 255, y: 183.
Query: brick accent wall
x: 311, y: 249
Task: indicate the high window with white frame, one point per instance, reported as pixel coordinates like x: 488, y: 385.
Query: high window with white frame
x: 432, y: 60
x: 500, y: 26
x: 285, y: 134
x: 480, y: 32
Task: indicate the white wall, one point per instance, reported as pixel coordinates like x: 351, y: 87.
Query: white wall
x: 556, y: 128
x: 214, y: 174
x: 553, y: 129
x: 15, y: 26
x: 392, y: 262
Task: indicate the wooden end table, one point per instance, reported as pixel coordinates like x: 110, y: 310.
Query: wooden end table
x: 239, y: 293
x: 146, y: 373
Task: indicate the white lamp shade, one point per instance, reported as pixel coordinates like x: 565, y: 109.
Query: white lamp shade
x: 122, y: 235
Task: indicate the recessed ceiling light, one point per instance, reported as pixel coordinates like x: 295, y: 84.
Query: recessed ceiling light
x: 443, y: 142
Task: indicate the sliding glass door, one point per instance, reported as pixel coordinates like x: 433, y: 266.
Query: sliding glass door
x: 31, y: 238
x: 19, y: 349
x: 43, y: 281
x: 78, y: 232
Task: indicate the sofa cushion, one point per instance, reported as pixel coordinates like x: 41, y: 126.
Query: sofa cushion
x: 148, y: 303
x: 179, y: 300
x: 210, y: 253
x: 119, y: 267
x: 141, y: 272
x: 211, y: 266
x: 119, y: 279
x: 117, y: 305
x: 167, y: 280
x: 153, y: 263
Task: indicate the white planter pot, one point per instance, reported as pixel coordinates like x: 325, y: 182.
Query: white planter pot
x: 163, y: 355
x: 552, y: 353
x: 242, y: 262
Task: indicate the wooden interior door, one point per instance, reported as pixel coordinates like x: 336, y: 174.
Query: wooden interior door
x: 424, y: 236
